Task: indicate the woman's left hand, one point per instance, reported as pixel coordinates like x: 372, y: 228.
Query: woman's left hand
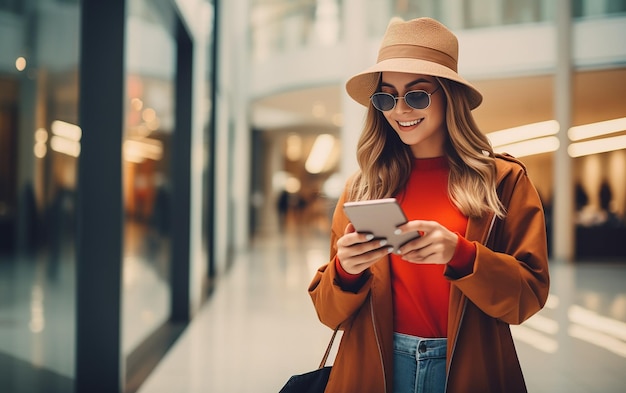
x: 436, y: 245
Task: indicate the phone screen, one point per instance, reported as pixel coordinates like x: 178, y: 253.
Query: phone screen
x: 380, y: 217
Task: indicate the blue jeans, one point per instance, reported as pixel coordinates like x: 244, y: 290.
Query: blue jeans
x: 419, y: 364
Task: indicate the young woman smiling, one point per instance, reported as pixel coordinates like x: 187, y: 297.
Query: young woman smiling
x: 432, y: 315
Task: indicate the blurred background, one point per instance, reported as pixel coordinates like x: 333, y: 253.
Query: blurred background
x: 147, y: 146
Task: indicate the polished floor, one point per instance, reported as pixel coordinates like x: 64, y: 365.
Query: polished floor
x: 259, y: 327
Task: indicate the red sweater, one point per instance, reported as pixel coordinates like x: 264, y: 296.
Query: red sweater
x: 420, y: 291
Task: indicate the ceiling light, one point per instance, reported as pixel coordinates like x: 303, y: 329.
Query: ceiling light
x: 597, y: 129
x: 66, y: 130
x: 522, y: 133
x: 65, y: 146
x: 528, y: 148
x: 596, y: 146
x: 322, y: 147
x: 137, y: 151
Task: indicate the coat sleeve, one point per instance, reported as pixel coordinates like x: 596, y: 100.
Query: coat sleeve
x: 510, y: 279
x: 333, y: 304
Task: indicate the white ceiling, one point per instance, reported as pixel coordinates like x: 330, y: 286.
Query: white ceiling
x: 313, y: 106
x: 507, y: 102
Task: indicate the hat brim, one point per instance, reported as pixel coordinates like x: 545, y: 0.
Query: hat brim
x: 361, y: 86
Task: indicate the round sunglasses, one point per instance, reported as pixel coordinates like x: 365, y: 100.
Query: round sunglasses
x: 416, y: 99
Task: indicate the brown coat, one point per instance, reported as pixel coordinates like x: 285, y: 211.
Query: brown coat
x: 509, y: 284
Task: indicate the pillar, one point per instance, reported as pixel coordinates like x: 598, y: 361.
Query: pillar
x: 563, y: 227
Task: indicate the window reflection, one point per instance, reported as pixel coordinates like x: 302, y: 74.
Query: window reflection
x: 149, y: 109
x: 39, y: 150
x: 546, y: 330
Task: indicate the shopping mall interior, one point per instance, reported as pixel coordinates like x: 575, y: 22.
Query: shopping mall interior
x: 169, y: 170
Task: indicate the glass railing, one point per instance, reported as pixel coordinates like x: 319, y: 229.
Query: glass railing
x: 285, y: 25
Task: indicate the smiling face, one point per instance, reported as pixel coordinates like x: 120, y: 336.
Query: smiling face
x: 424, y: 130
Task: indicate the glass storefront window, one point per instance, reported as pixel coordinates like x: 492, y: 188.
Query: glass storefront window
x: 39, y: 150
x: 149, y: 124
x: 40, y: 158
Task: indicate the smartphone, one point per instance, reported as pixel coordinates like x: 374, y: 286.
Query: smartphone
x: 380, y: 217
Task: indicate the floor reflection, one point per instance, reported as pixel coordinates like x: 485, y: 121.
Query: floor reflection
x: 260, y: 323
x: 577, y: 342
x: 146, y: 289
x: 37, y: 306
x: 37, y: 316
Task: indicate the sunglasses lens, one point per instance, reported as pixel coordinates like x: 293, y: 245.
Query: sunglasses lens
x: 417, y: 99
x: 383, y: 101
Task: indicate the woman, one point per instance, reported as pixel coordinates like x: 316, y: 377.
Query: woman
x: 433, y: 315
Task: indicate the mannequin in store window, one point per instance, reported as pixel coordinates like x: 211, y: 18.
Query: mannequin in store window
x: 609, y: 218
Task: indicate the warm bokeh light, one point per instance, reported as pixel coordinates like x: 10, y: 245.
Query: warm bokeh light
x: 294, y: 147
x: 523, y: 133
x: 597, y: 129
x: 40, y: 150
x: 319, y: 110
x: 136, y: 104
x: 153, y: 125
x: 596, y: 146
x: 37, y: 321
x: 20, y: 63
x: 148, y: 115
x: 41, y: 135
x: 320, y: 153
x: 66, y: 130
x: 526, y: 140
x: 65, y: 146
x: 333, y: 186
x: 338, y: 119
x: 531, y: 147
x: 137, y: 151
x: 292, y: 185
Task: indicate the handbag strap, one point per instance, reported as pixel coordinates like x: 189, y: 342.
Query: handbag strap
x: 330, y: 345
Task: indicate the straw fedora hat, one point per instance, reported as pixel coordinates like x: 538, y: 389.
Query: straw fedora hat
x: 418, y: 46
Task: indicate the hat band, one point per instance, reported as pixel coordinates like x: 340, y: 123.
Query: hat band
x: 417, y: 52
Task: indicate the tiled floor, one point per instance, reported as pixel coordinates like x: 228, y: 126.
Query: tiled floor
x: 260, y: 327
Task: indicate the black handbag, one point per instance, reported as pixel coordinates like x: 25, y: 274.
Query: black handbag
x: 314, y: 381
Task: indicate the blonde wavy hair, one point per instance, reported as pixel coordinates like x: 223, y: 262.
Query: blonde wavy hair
x: 385, y: 161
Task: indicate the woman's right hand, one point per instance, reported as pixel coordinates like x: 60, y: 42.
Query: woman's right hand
x: 358, y: 251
